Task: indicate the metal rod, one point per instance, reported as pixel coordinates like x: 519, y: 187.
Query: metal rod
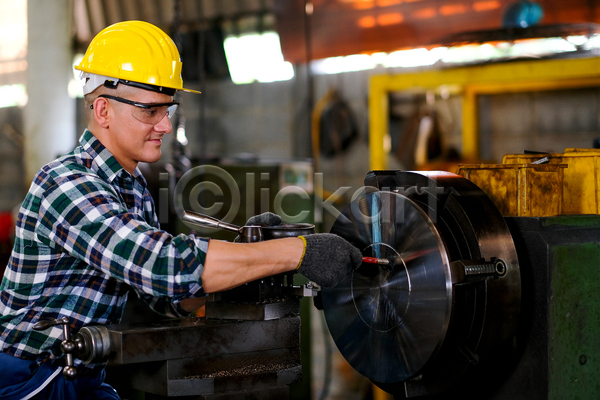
x: 208, y: 221
x: 374, y: 260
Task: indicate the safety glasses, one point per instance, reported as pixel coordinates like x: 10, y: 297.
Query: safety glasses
x: 148, y: 113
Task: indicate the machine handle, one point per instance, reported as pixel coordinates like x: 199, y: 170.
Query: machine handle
x: 67, y: 345
x: 46, y: 323
x: 209, y: 222
x: 248, y: 234
x: 374, y: 260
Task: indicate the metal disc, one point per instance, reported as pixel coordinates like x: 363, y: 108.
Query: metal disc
x: 388, y: 321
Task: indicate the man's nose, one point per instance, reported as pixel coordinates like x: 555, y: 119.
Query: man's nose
x: 164, y: 125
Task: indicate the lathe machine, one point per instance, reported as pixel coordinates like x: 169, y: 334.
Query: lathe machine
x: 476, y: 305
x: 469, y: 303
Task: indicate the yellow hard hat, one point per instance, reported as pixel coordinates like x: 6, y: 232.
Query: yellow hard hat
x: 135, y: 53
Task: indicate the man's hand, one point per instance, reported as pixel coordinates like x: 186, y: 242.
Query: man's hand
x: 264, y: 219
x: 328, y: 258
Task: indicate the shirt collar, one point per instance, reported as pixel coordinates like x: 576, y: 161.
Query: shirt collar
x: 107, y: 165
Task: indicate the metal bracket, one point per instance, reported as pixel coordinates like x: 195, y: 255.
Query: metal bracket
x: 307, y: 290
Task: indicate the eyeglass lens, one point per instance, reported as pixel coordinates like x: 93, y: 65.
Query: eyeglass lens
x: 153, y: 115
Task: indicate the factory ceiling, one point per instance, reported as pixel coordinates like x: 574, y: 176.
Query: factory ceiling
x: 325, y: 28
x: 91, y: 16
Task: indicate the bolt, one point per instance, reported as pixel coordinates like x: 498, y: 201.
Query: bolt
x: 500, y: 267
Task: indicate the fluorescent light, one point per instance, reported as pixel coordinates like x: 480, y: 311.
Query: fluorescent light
x: 245, y: 54
x: 13, y: 95
x: 410, y: 58
x: 539, y: 47
x: 578, y: 40
x: 592, y: 43
x: 471, y: 53
x: 256, y: 57
x: 330, y: 65
x: 362, y: 62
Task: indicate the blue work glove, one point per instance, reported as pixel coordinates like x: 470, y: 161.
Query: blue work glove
x: 328, y: 258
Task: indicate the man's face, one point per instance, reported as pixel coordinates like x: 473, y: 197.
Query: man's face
x: 131, y: 140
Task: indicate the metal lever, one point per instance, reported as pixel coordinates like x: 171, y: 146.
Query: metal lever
x: 209, y: 222
x: 248, y: 234
x: 374, y: 260
x: 67, y: 345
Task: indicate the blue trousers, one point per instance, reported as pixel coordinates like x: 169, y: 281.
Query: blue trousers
x: 24, y: 380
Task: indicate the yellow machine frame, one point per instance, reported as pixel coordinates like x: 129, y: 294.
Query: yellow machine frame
x: 521, y: 76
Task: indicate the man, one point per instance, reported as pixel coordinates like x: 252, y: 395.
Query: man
x: 87, y: 229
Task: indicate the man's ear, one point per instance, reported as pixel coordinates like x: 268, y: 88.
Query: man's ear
x: 101, y: 112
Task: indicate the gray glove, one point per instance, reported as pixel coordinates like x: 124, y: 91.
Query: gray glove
x: 328, y: 258
x: 264, y: 219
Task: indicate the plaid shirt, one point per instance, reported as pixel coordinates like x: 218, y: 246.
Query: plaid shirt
x: 87, y: 231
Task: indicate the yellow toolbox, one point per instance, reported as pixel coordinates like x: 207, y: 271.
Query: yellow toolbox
x: 581, y: 184
x: 522, y: 190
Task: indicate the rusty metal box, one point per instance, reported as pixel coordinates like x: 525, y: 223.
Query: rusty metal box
x: 519, y: 190
x: 581, y: 184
